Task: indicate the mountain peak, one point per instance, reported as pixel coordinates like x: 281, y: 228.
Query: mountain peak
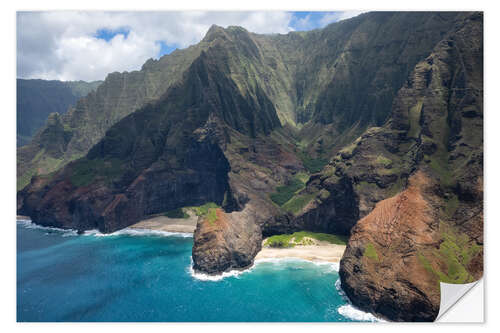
x: 213, y: 32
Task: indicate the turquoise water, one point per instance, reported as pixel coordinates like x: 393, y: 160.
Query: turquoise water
x: 147, y: 277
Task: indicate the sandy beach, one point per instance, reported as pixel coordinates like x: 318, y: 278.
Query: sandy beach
x: 319, y: 252
x: 164, y: 223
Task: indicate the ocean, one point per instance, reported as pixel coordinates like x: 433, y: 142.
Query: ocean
x: 143, y: 276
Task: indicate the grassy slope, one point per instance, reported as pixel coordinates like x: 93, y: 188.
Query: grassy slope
x: 177, y: 213
x: 301, y: 238
x: 284, y: 193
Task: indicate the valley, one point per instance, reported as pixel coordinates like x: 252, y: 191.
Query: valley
x: 366, y: 134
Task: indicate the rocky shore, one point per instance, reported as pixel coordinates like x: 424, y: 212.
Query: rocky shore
x: 392, y: 149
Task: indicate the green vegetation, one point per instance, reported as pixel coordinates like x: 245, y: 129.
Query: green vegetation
x: 297, y: 203
x: 383, y: 161
x: 82, y: 88
x: 279, y: 241
x: 456, y: 251
x: 286, y: 192
x: 86, y: 171
x: 324, y: 194
x: 212, y: 215
x: 207, y: 210
x: 439, y: 163
x: 414, y: 119
x: 313, y: 165
x: 451, y: 205
x: 37, y: 99
x: 350, y: 148
x: 370, y: 252
x: 366, y: 186
x: 177, y: 213
x: 396, y: 187
x: 302, y: 176
x: 203, y: 209
x: 25, y: 179
x: 46, y: 165
x: 304, y: 238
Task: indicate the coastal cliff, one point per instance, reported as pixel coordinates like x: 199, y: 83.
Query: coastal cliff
x: 432, y: 231
x: 287, y: 133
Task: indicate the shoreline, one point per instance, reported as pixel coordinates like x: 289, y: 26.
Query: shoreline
x: 149, y: 226
x: 321, y: 253
x: 317, y: 253
x: 163, y: 223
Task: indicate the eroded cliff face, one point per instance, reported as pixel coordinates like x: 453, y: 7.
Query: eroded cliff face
x: 227, y: 242
x: 400, y: 251
x: 381, y: 268
x: 311, y: 78
x: 224, y: 132
x: 37, y: 99
x: 87, y: 122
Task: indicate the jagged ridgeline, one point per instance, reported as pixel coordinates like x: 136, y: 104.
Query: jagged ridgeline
x: 36, y: 99
x: 333, y: 130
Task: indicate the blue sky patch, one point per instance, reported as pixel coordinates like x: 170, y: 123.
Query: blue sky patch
x: 165, y: 48
x: 108, y: 34
x: 302, y: 21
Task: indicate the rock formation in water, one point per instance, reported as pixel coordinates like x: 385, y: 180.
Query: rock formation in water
x: 371, y: 127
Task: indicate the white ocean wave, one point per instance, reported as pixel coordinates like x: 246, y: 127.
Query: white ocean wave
x: 334, y: 266
x: 218, y: 277
x: 341, y: 291
x: 237, y: 272
x: 138, y: 232
x: 28, y: 224
x: 350, y: 311
x: 127, y: 231
x: 207, y: 277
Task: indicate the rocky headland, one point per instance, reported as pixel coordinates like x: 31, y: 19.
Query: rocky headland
x: 368, y: 128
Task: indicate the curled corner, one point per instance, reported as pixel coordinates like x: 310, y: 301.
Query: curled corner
x: 451, y: 294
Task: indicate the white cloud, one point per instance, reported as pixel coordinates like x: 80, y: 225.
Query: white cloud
x: 63, y: 45
x: 339, y: 16
x: 304, y: 23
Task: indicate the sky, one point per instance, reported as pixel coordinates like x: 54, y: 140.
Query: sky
x: 87, y: 45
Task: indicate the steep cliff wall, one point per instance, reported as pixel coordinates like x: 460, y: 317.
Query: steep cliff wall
x: 37, y: 99
x: 226, y: 131
x: 431, y: 232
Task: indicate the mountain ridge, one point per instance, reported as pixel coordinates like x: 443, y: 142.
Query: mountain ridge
x: 227, y: 131
x: 37, y: 98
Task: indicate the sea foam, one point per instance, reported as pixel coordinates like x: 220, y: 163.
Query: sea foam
x: 334, y: 266
x: 207, y: 277
x: 28, y: 224
x: 137, y: 232
x: 350, y: 311
x: 237, y: 272
x: 218, y: 277
x: 127, y: 231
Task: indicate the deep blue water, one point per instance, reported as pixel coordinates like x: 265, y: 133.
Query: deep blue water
x: 65, y: 277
